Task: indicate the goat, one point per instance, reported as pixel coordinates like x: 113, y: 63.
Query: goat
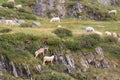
x: 55, y: 19
x: 12, y: 1
x: 40, y: 51
x: 112, y: 12
x: 48, y: 59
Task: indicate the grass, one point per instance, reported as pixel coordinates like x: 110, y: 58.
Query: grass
x: 76, y: 28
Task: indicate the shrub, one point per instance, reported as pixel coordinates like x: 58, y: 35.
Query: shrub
x: 110, y: 39
x: 9, y: 5
x: 53, y: 41
x: 72, y: 45
x: 115, y: 50
x: 61, y: 32
x: 5, y: 30
x: 25, y: 25
x: 54, y: 76
x: 89, y: 41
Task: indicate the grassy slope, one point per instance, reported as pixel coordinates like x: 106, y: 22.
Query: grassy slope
x: 46, y: 30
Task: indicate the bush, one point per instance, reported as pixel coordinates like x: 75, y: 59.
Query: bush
x: 110, y: 39
x: 115, y: 51
x: 5, y: 30
x: 61, y: 32
x: 72, y: 45
x: 54, y: 76
x: 53, y: 41
x: 25, y: 25
x: 9, y: 5
x: 89, y: 41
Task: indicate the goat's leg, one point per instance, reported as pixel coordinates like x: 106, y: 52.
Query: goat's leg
x: 43, y: 62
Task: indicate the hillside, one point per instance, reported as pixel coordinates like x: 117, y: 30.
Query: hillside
x: 78, y: 54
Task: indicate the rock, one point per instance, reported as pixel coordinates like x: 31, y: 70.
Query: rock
x: 104, y: 2
x: 20, y: 21
x: 14, y: 69
x: 36, y: 23
x: 38, y: 68
x: 99, y: 51
x: 104, y: 63
x: 59, y: 26
x: 70, y: 60
x: 85, y: 64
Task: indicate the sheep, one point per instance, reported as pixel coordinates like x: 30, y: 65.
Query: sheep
x: 90, y: 29
x: 55, y: 19
x: 48, y: 59
x: 114, y: 34
x: 108, y: 33
x: 12, y: 1
x: 40, y: 51
x: 112, y: 12
x: 98, y: 32
x: 18, y: 6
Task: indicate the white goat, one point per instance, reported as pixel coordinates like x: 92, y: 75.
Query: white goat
x: 40, y: 51
x: 108, y: 33
x: 18, y: 6
x: 11, y: 1
x: 112, y: 12
x: 55, y: 19
x: 90, y: 29
x: 48, y: 59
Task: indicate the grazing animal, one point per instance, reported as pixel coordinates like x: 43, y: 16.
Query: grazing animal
x: 18, y: 6
x: 90, y: 29
x: 108, y: 33
x: 48, y: 59
x: 98, y: 32
x: 40, y: 51
x: 12, y: 1
x: 114, y: 34
x: 55, y: 19
x: 112, y: 12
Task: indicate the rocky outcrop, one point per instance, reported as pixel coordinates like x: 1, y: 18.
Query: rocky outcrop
x: 15, y: 69
x: 68, y: 61
x: 109, y: 2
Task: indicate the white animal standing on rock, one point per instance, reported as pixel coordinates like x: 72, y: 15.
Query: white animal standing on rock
x: 11, y: 1
x: 55, y: 19
x: 48, y: 59
x: 40, y: 51
x: 112, y: 12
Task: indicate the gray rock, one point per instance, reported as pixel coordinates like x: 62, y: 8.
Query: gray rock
x: 14, y: 69
x: 85, y: 64
x: 20, y: 21
x: 36, y: 23
x: 70, y: 60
